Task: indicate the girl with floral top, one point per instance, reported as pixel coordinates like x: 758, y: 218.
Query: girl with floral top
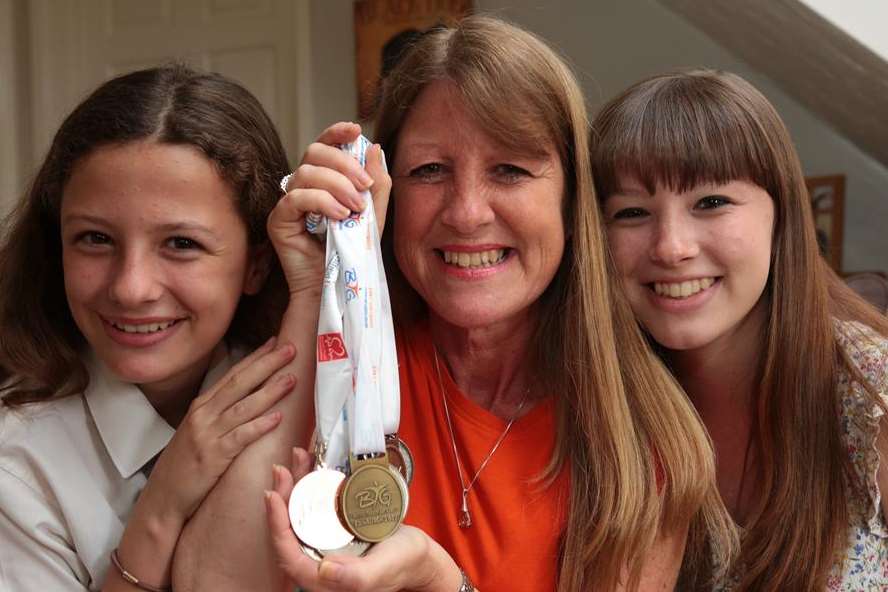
x: 711, y: 229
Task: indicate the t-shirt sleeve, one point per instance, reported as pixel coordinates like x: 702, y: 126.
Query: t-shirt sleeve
x: 36, y: 552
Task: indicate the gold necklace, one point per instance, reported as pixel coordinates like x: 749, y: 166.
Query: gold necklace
x: 465, y: 517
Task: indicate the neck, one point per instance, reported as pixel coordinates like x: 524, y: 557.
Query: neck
x: 721, y: 381
x: 489, y: 364
x: 172, y: 397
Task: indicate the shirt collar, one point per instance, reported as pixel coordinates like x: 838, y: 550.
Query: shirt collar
x: 131, y: 429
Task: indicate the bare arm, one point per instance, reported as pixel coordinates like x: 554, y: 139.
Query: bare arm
x: 660, y: 571
x: 226, y: 545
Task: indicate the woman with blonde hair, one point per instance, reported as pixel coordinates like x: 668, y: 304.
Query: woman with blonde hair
x: 710, y: 226
x: 530, y: 399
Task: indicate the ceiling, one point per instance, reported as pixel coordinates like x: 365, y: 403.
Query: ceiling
x: 820, y: 65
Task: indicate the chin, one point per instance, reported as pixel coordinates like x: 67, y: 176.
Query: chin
x: 679, y: 340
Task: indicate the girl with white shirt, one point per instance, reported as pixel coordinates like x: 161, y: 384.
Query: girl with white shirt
x: 134, y: 275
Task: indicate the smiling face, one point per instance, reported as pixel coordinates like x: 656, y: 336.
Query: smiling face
x: 694, y: 264
x: 155, y: 260
x: 478, y: 228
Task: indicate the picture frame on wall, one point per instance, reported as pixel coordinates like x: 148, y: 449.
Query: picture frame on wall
x: 828, y: 202
x: 383, y: 28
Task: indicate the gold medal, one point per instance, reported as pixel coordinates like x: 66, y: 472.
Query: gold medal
x: 400, y: 456
x: 373, y: 499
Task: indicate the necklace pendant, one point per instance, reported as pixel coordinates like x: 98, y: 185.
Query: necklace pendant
x: 465, y: 519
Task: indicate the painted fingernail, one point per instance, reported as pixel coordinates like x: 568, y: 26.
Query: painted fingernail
x: 329, y: 571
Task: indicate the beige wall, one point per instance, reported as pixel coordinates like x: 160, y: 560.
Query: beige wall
x: 14, y: 116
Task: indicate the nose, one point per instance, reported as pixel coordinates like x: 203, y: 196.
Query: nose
x: 467, y: 206
x: 674, y: 242
x: 135, y: 280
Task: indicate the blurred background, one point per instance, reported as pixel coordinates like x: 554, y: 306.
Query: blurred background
x: 823, y: 63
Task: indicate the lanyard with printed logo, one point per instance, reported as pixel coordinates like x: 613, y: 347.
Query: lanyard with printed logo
x: 357, y: 493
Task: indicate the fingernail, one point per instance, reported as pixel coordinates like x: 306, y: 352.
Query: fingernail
x: 275, y: 476
x: 342, y: 212
x: 382, y: 157
x: 270, y: 343
x: 287, y: 349
x: 286, y: 379
x: 267, y: 496
x: 327, y: 570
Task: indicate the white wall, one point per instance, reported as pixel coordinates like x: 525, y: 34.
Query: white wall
x: 613, y: 44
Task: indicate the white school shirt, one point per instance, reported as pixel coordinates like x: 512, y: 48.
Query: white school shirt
x: 70, y: 473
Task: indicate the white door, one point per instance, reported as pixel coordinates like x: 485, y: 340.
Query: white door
x: 263, y: 44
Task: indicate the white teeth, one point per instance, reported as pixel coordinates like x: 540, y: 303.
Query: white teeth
x: 146, y: 328
x: 475, y: 259
x: 682, y: 289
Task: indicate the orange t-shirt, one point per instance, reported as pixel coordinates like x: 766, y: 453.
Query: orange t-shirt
x: 517, y: 522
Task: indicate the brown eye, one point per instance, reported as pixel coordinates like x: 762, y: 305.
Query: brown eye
x: 428, y: 173
x: 94, y: 238
x: 183, y: 243
x: 711, y: 202
x: 629, y: 213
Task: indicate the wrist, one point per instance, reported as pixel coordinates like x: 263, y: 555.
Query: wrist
x: 445, y: 575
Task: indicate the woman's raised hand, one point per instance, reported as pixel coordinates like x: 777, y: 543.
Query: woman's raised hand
x: 220, y: 423
x: 408, y: 560
x: 328, y: 181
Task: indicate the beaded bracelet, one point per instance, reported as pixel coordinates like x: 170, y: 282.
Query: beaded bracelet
x: 131, y: 579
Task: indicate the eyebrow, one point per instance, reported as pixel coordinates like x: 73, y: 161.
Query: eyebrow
x: 189, y: 226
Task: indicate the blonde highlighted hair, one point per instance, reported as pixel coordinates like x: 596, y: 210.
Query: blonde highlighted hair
x: 623, y: 421
x: 692, y: 127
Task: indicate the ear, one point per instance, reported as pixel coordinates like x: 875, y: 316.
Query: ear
x: 258, y: 267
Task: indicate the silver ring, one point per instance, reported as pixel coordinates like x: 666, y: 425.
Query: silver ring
x: 285, y: 181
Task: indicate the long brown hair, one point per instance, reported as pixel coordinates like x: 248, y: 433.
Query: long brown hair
x: 701, y: 126
x: 40, y: 344
x: 622, y: 418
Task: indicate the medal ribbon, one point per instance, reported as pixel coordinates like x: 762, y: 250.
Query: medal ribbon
x: 357, y: 391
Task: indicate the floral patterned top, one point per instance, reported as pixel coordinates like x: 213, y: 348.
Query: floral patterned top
x: 863, y: 566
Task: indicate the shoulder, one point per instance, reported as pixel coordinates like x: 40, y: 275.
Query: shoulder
x: 32, y: 435
x: 867, y: 350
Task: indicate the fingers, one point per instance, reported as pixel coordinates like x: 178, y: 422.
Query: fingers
x: 342, y: 132
x: 402, y: 561
x: 243, y: 417
x: 301, y: 463
x: 382, y: 183
x: 350, y: 175
x: 243, y: 380
x: 246, y: 361
x: 288, y: 554
x: 282, y: 482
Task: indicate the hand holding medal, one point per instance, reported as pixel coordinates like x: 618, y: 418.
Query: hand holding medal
x: 354, y: 497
